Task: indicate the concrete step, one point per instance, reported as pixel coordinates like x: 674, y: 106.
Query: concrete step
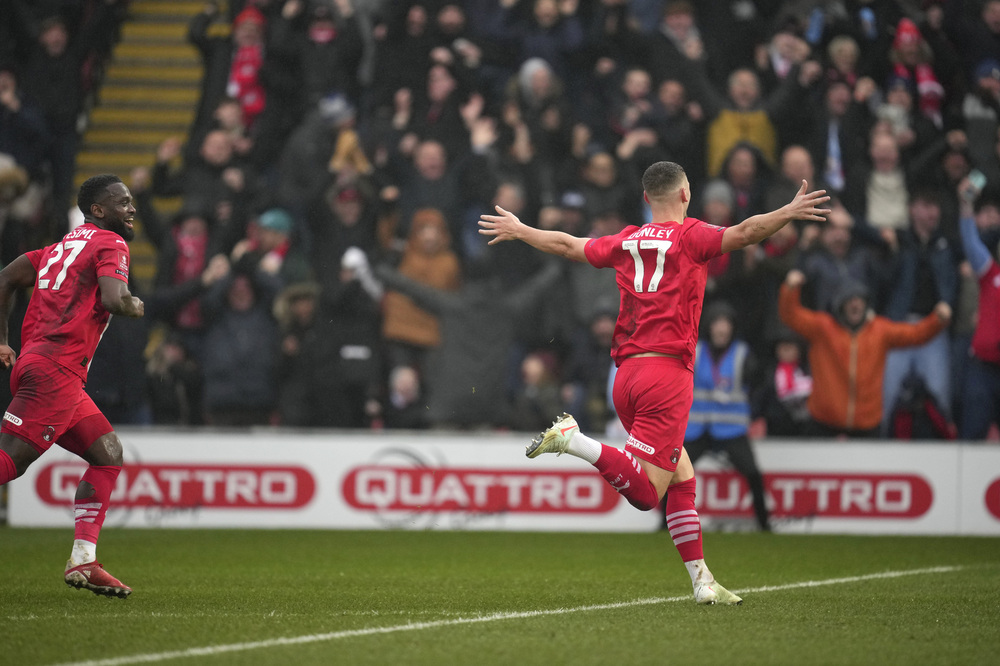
x: 150, y: 74
x: 159, y: 9
x: 113, y: 93
x: 179, y: 119
x: 163, y: 53
x: 155, y: 31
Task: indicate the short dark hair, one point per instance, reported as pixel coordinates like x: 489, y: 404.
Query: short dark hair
x: 927, y: 194
x: 92, y: 189
x: 662, y: 178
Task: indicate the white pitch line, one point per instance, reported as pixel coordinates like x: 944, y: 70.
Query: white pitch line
x: 417, y: 626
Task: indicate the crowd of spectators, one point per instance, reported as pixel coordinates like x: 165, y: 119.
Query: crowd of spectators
x: 325, y: 267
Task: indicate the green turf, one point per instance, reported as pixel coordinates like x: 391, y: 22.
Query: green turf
x: 215, y: 588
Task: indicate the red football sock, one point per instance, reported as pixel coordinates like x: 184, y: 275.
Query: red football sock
x: 90, y: 512
x: 683, y: 521
x: 626, y: 476
x: 8, y: 470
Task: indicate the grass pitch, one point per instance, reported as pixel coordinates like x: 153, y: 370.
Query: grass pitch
x: 339, y: 597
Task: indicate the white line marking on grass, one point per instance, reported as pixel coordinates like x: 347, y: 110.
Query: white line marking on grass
x: 417, y: 626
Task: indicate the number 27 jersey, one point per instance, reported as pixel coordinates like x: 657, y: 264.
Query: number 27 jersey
x: 65, y: 318
x: 661, y: 269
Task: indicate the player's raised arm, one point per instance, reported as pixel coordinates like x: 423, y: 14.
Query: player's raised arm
x: 506, y: 226
x: 804, y: 206
x: 117, y: 299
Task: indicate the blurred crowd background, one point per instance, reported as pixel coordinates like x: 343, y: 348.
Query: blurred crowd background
x: 325, y: 270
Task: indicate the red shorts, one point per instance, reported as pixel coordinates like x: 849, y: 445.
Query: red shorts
x: 653, y: 396
x: 50, y: 406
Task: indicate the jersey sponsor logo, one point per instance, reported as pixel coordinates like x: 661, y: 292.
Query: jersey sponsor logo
x: 636, y: 444
x: 183, y: 486
x: 13, y: 419
x: 393, y: 488
x: 992, y: 499
x: 806, y: 496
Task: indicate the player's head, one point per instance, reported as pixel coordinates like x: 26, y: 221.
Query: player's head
x: 105, y: 201
x: 662, y: 181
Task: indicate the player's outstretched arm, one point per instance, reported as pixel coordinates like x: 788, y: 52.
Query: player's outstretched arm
x: 804, y: 206
x: 16, y: 275
x: 506, y: 226
x: 117, y: 299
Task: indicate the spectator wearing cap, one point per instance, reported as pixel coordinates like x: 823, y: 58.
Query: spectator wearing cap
x: 847, y: 354
x: 344, y: 218
x: 268, y: 248
x: 981, y: 115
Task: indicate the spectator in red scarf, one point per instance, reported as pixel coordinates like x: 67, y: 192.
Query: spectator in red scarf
x: 244, y: 81
x: 912, y: 56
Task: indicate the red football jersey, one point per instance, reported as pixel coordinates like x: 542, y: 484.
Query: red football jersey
x: 65, y: 318
x: 986, y: 339
x: 661, y: 269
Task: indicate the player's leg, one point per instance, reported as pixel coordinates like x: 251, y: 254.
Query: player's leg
x: 619, y: 468
x: 15, y: 457
x: 17, y: 443
x: 684, y: 526
x: 93, y: 439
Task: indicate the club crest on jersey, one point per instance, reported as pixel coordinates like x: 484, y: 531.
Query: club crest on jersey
x: 48, y: 433
x: 675, y: 456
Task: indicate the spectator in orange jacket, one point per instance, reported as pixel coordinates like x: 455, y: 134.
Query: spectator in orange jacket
x: 847, y: 351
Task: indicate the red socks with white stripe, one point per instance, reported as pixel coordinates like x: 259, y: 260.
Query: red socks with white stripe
x: 685, y: 529
x: 683, y: 521
x: 91, y: 511
x: 626, y: 475
x: 8, y: 470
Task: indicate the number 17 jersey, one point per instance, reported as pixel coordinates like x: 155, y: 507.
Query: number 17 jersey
x: 661, y: 269
x: 65, y: 318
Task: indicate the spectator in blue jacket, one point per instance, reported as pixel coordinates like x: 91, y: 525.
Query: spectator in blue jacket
x: 720, y: 413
